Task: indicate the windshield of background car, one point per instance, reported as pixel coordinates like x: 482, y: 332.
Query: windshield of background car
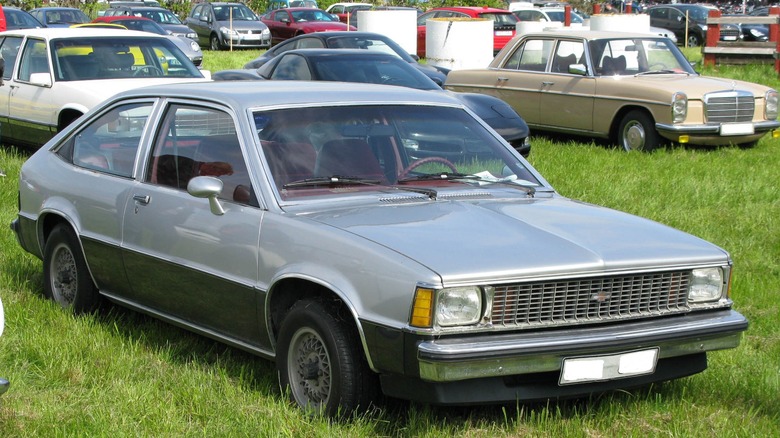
x: 162, y: 17
x: 234, y: 12
x: 372, y: 44
x: 499, y: 19
x: 326, y: 151
x: 312, y: 15
x: 80, y: 59
x: 387, y: 70
x: 638, y: 56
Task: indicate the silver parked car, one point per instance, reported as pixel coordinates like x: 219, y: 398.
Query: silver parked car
x: 336, y: 229
x: 228, y: 25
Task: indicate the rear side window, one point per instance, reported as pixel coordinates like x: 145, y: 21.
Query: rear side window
x: 110, y: 143
x: 9, y: 48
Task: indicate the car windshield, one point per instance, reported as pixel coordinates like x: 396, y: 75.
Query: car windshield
x: 372, y: 44
x: 500, y: 19
x: 312, y: 15
x: 162, y: 17
x: 387, y: 70
x: 79, y: 59
x: 638, y: 56
x: 66, y: 17
x: 326, y: 151
x: 234, y: 12
x: 560, y: 16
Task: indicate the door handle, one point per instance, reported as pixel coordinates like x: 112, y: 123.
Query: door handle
x: 547, y: 83
x: 142, y: 199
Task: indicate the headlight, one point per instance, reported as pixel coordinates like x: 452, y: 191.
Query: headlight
x: 227, y: 31
x: 706, y: 285
x: 194, y: 46
x: 757, y: 34
x: 679, y: 107
x: 266, y: 31
x: 770, y: 105
x: 446, y: 307
x: 458, y: 306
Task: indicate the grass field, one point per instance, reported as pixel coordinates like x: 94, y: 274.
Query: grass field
x: 122, y: 374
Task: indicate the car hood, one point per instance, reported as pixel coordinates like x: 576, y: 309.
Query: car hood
x: 662, y: 85
x: 464, y: 241
x: 243, y: 24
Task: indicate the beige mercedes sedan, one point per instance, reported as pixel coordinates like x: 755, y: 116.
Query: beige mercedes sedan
x: 634, y: 89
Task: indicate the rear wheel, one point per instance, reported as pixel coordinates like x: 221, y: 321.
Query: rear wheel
x: 67, y: 279
x: 694, y: 40
x: 637, y: 132
x: 320, y: 361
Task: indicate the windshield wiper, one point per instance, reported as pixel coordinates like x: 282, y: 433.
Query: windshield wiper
x: 662, y: 72
x: 455, y: 176
x: 334, y: 180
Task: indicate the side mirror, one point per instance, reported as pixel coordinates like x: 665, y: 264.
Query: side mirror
x: 207, y: 187
x: 41, y: 79
x: 578, y: 69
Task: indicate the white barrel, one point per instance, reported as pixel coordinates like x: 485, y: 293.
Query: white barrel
x: 399, y: 26
x: 459, y: 44
x: 620, y: 22
x: 524, y: 27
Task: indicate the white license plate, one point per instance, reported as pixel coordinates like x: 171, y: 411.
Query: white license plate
x: 503, y: 33
x: 251, y: 37
x: 737, y: 129
x: 608, y: 367
x: 729, y: 38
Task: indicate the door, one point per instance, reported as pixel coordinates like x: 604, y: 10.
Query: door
x: 32, y: 110
x: 182, y: 260
x: 566, y: 98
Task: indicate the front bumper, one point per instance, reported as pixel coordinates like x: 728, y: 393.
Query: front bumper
x: 715, y: 134
x: 449, y: 360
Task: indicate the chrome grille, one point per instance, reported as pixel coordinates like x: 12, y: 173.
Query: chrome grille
x: 729, y: 107
x: 589, y: 300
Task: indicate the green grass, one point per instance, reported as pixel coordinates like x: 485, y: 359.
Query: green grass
x: 119, y: 373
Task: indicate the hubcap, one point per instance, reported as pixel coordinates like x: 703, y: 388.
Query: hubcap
x: 308, y: 366
x: 64, y: 276
x: 633, y: 136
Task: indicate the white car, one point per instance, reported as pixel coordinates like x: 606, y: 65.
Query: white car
x: 53, y: 76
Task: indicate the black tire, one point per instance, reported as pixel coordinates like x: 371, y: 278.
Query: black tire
x: 694, y: 40
x: 66, y: 278
x: 214, y: 43
x: 321, y: 364
x: 637, y: 132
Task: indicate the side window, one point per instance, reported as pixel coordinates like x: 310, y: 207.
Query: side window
x: 532, y: 55
x: 566, y: 54
x: 292, y: 68
x: 9, y: 48
x: 198, y: 141
x: 34, y: 59
x: 110, y: 143
x: 310, y: 43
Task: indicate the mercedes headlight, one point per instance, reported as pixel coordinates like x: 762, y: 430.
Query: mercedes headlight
x: 679, y: 107
x: 706, y: 285
x: 770, y: 105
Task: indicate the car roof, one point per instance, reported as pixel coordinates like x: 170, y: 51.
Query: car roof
x: 319, y: 52
x: 71, y: 32
x: 590, y: 34
x: 291, y: 93
x: 476, y: 9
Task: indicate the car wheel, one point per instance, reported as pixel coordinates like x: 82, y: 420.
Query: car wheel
x: 215, y: 45
x: 637, y: 132
x: 66, y: 278
x: 320, y: 362
x: 694, y: 40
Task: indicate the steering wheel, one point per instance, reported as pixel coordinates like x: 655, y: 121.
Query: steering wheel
x: 149, y: 70
x: 657, y: 66
x: 404, y: 173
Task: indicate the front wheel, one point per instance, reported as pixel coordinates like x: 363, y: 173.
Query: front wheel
x: 320, y: 361
x: 215, y: 44
x: 694, y: 40
x: 637, y: 132
x: 66, y: 277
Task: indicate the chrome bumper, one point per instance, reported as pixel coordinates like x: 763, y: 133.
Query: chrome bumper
x: 447, y: 360
x: 712, y: 129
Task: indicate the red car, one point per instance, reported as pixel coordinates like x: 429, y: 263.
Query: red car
x: 290, y: 22
x: 503, y: 23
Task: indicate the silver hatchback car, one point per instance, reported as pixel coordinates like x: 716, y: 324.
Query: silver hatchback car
x: 365, y: 238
